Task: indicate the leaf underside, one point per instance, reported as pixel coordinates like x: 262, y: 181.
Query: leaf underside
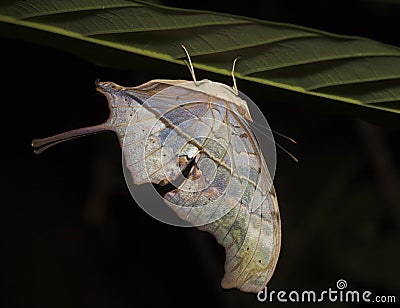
x: 331, y: 67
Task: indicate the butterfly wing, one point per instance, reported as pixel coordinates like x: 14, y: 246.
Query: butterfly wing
x: 163, y: 126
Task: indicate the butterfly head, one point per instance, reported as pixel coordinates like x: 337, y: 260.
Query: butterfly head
x: 107, y: 87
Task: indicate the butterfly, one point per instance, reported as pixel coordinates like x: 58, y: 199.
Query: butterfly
x: 201, y: 128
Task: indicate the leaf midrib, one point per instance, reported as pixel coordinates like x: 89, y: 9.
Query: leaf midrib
x: 81, y: 9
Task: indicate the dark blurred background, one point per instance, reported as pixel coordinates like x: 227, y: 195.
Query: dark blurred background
x: 72, y: 236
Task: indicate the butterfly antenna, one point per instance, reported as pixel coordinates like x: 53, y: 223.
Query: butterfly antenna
x: 233, y: 77
x: 287, y: 152
x: 275, y: 132
x: 189, y: 64
x: 278, y: 145
x: 284, y: 136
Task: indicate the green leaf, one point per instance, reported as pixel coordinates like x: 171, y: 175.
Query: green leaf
x: 293, y: 60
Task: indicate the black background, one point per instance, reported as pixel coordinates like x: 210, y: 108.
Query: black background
x: 72, y: 236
